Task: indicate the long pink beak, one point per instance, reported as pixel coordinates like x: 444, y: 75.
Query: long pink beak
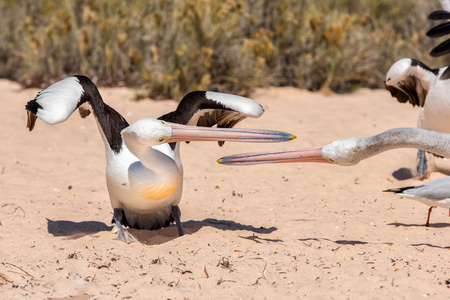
x: 256, y: 158
x: 197, y: 133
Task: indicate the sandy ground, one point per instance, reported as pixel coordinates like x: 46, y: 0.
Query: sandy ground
x: 253, y: 232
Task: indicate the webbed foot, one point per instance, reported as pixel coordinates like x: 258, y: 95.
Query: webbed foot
x: 123, y: 235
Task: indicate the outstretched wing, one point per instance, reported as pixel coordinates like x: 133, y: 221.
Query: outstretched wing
x: 441, y: 29
x: 207, y: 109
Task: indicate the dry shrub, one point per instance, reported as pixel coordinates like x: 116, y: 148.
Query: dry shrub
x: 170, y: 47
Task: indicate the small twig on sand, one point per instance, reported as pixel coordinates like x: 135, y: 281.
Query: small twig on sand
x: 3, y: 277
x: 21, y: 269
x: 18, y: 207
x: 221, y: 281
x: 264, y: 270
x: 263, y: 275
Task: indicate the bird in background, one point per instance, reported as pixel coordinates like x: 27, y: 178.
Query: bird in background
x: 350, y: 151
x: 144, y: 174
x: 434, y: 193
x: 410, y: 80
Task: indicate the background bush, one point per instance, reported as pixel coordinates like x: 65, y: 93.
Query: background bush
x: 169, y: 47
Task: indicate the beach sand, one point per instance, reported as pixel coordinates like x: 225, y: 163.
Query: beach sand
x: 252, y: 232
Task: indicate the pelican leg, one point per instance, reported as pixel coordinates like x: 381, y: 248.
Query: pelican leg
x: 176, y: 214
x: 123, y: 235
x: 428, y: 219
x: 421, y: 164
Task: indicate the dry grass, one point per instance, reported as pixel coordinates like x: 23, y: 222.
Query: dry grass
x: 169, y: 47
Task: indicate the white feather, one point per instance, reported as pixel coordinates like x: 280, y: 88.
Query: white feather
x: 245, y: 106
x: 445, y: 4
x: 433, y: 193
x: 59, y: 100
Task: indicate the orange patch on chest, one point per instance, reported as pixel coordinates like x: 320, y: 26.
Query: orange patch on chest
x: 157, y: 191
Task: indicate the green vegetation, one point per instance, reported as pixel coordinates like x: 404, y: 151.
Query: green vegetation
x: 169, y: 47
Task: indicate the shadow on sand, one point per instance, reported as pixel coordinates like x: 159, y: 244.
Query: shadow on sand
x: 339, y: 242
x: 76, y: 230
x: 432, y: 225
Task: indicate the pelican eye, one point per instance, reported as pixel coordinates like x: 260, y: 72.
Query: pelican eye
x: 160, y: 140
x: 163, y: 123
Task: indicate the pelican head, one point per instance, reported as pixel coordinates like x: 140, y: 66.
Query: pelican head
x: 350, y: 151
x: 151, y: 132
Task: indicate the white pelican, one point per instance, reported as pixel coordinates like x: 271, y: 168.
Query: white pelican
x: 350, y: 151
x: 434, y: 193
x: 409, y: 80
x: 144, y: 173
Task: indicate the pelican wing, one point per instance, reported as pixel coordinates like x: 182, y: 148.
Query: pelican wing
x: 434, y: 190
x: 439, y: 15
x: 441, y: 29
x: 208, y: 109
x: 441, y: 49
x: 409, y: 90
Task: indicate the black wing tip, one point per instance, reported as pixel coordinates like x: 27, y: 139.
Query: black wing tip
x: 401, y: 190
x: 441, y: 49
x: 439, y: 30
x: 32, y: 106
x: 439, y: 15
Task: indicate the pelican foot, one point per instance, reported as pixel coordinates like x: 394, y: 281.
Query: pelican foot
x: 123, y: 235
x: 176, y: 214
x: 422, y: 164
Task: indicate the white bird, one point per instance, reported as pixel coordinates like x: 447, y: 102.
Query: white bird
x: 434, y: 193
x: 409, y: 80
x: 350, y: 151
x: 144, y: 174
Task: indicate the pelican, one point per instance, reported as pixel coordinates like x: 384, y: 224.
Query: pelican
x: 434, y: 193
x: 350, y: 151
x: 410, y: 80
x: 441, y: 29
x: 144, y: 174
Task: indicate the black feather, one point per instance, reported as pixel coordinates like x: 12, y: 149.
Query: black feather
x: 441, y: 49
x: 400, y: 190
x: 439, y: 15
x: 439, y: 30
x: 111, y: 122
x: 196, y: 101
